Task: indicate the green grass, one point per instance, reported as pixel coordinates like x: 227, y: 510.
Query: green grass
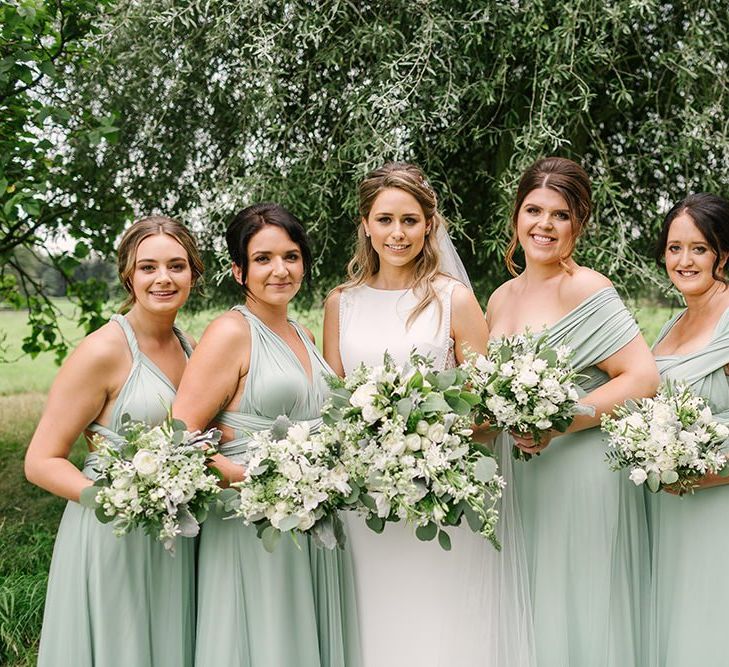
x: 29, y: 516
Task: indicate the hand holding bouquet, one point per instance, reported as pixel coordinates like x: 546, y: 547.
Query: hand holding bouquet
x: 525, y: 386
x: 156, y: 478
x: 671, y: 439
x: 406, y: 442
x: 294, y: 481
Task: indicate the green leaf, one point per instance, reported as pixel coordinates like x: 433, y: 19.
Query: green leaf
x: 375, y: 523
x: 404, y: 407
x: 178, y: 425
x: 88, y: 497
x: 445, y: 379
x: 354, y: 494
x: 460, y: 407
x: 485, y: 469
x: 426, y: 532
x: 289, y: 523
x: 549, y: 355
x: 270, y: 538
x: 434, y: 402
x: 472, y: 518
x: 654, y: 481
x: 368, y: 501
x: 102, y: 516
x: 444, y: 540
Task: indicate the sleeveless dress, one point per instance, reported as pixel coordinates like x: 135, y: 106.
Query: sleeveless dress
x: 294, y: 607
x: 120, y: 601
x: 585, y: 525
x: 418, y: 604
x: 689, y: 538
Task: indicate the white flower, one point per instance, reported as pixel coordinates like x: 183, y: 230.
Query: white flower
x: 306, y: 521
x: 298, y: 432
x: 371, y: 414
x: 412, y: 442
x: 485, y: 365
x: 638, y: 476
x: 543, y: 424
x: 436, y: 432
x: 145, y: 463
x: 363, y: 396
x: 422, y: 427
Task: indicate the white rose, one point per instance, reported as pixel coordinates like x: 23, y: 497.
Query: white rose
x: 422, y: 427
x: 485, y: 365
x: 662, y: 414
x: 543, y: 424
x: 436, y: 432
x: 539, y: 365
x: 291, y: 470
x: 412, y: 442
x: 363, y: 395
x: 306, y: 521
x: 371, y: 414
x: 638, y: 476
x: 122, y: 482
x: 145, y: 463
x: 507, y: 369
x: 299, y: 432
x: 528, y: 378
x: 395, y: 444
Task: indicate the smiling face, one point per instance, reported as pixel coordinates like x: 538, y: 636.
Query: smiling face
x: 275, y: 266
x: 689, y: 257
x: 162, y: 276
x: 397, y: 227
x: 544, y: 226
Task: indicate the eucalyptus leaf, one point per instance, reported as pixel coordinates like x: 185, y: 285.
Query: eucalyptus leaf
x: 426, y: 532
x: 434, y: 402
x: 368, y: 501
x: 375, y: 523
x: 270, y: 538
x: 444, y: 540
x: 653, y: 481
x: 289, y: 523
x: 404, y: 407
x: 87, y: 497
x: 446, y: 378
x: 102, y: 516
x: 485, y: 469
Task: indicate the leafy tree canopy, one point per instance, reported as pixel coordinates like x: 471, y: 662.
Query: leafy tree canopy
x: 201, y: 107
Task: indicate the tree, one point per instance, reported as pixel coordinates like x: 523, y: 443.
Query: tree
x: 229, y: 102
x: 43, y: 44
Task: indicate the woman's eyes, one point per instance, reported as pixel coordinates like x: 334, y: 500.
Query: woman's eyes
x: 562, y: 215
x: 699, y: 249
x: 292, y: 257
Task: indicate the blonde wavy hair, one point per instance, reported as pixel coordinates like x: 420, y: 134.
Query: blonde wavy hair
x: 140, y: 230
x: 366, y: 262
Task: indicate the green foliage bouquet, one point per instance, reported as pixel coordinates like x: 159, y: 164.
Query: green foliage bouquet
x: 155, y: 478
x: 405, y: 440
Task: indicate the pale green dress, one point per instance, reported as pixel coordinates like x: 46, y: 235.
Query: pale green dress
x: 584, y: 525
x: 690, y: 540
x: 120, y: 601
x: 294, y: 607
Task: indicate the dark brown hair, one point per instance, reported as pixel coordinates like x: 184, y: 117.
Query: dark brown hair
x: 249, y: 221
x: 710, y: 214
x: 140, y: 230
x: 569, y: 180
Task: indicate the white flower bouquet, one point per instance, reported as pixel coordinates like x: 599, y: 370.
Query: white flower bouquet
x: 671, y: 439
x: 406, y: 442
x: 294, y: 481
x: 157, y: 479
x: 526, y: 386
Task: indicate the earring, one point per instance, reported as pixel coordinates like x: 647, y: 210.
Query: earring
x: 367, y: 234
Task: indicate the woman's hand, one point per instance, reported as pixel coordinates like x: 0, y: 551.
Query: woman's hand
x: 231, y: 472
x: 528, y: 444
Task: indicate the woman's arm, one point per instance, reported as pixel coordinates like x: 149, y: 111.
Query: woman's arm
x: 79, y: 393
x: 212, y: 378
x: 633, y: 374
x: 469, y: 330
x: 331, y: 333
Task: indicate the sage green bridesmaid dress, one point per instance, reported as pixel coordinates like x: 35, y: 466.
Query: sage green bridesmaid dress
x: 689, y: 535
x: 120, y: 601
x: 294, y: 607
x: 585, y: 526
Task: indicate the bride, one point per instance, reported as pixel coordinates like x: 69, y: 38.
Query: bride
x: 407, y: 288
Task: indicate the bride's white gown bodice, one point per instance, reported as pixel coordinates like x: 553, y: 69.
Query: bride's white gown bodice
x: 419, y: 605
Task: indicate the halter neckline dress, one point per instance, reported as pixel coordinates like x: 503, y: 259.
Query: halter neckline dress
x: 295, y: 606
x: 120, y: 601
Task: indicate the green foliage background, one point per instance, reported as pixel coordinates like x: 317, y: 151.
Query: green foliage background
x: 196, y: 108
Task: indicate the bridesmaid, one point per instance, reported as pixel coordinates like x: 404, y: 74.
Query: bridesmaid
x: 119, y: 600
x: 400, y: 297
x: 585, y: 526
x: 690, y: 588
x: 296, y: 605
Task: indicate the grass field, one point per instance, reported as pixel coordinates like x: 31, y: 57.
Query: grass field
x: 29, y: 516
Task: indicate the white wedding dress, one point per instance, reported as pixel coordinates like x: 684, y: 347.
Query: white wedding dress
x: 419, y: 605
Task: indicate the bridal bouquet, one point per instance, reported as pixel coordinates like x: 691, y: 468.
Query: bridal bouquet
x: 294, y: 482
x: 157, y: 479
x: 526, y: 386
x: 669, y: 439
x: 405, y: 441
